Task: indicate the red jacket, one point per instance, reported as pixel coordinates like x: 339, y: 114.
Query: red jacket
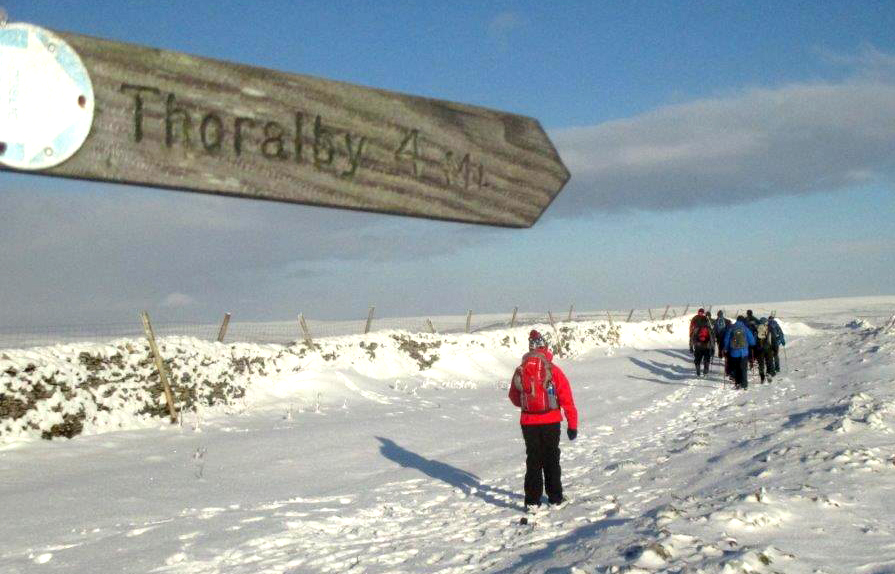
x: 693, y: 323
x: 563, y: 395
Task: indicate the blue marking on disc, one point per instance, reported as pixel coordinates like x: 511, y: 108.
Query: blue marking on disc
x: 63, y: 80
x: 14, y: 38
x: 38, y: 159
x: 15, y: 152
x: 68, y: 138
x: 72, y: 66
x: 66, y: 58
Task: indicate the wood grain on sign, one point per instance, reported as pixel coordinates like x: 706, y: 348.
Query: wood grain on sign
x: 165, y: 119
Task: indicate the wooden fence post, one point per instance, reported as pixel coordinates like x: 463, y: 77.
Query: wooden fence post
x: 687, y: 308
x: 431, y: 326
x: 569, y: 319
x: 305, y: 330
x: 468, y: 320
x: 557, y: 347
x: 159, y: 364
x: 665, y: 314
x: 223, y: 330
x: 650, y: 311
x: 631, y: 314
x: 369, y: 319
x: 608, y: 314
x: 513, y: 318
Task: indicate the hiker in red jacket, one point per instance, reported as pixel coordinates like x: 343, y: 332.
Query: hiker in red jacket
x: 702, y: 342
x: 541, y: 389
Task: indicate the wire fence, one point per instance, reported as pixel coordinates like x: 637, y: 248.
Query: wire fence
x: 287, y: 332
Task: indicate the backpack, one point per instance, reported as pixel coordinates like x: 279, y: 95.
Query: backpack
x: 720, y: 325
x: 776, y: 330
x: 703, y: 335
x: 534, y: 381
x: 761, y: 333
x: 738, y: 339
x: 752, y: 323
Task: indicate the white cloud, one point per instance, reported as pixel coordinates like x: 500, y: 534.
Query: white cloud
x: 502, y: 26
x: 795, y: 139
x: 115, y: 248
x: 869, y: 62
x: 177, y: 300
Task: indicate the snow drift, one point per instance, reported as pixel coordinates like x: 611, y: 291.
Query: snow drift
x: 407, y: 457
x: 67, y: 390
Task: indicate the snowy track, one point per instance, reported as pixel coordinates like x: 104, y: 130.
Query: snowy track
x: 670, y: 473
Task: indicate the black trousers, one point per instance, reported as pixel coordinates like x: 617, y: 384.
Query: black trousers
x: 702, y: 356
x: 764, y: 358
x: 739, y: 368
x: 542, y: 463
x: 775, y: 351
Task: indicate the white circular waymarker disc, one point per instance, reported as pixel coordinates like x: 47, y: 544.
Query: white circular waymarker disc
x: 46, y: 98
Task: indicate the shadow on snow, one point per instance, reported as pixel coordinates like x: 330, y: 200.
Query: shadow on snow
x: 585, y: 534
x: 467, y: 482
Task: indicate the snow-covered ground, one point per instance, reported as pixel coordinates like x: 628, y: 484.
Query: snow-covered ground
x: 406, y: 456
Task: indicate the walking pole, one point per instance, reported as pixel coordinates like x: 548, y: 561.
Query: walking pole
x: 785, y: 357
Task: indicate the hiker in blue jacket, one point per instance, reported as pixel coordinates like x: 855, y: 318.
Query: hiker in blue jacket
x: 738, y: 343
x: 779, y: 341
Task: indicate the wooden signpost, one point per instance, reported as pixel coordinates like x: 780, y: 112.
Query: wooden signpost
x: 164, y: 119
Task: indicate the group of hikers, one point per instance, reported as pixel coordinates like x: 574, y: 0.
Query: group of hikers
x: 740, y: 344
x: 542, y: 391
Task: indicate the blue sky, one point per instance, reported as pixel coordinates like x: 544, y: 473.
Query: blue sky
x: 720, y: 151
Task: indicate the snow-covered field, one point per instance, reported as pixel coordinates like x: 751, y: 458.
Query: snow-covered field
x: 406, y: 456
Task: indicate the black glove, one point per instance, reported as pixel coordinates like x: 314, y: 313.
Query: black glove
x: 572, y: 433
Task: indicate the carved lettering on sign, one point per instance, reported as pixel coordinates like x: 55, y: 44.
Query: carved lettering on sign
x: 409, y: 150
x: 238, y: 132
x: 273, y: 145
x: 337, y: 151
x: 324, y: 149
x: 211, y: 132
x: 299, y: 122
x: 354, y: 154
x: 172, y: 115
x: 138, y: 107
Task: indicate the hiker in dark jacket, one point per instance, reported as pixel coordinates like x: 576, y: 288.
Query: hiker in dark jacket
x: 702, y: 341
x: 721, y: 325
x: 763, y: 354
x: 738, y: 342
x: 779, y: 341
x: 751, y: 321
